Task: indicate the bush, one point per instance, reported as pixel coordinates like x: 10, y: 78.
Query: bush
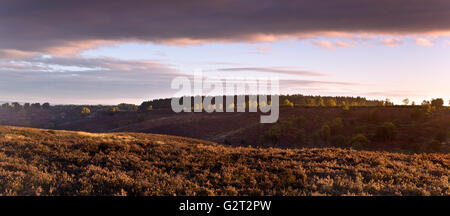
x: 298, y: 121
x: 441, y: 136
x: 325, y: 132
x: 336, y: 126
x: 386, y: 132
x: 359, y: 140
x: 435, y: 146
x: 273, y: 134
x: 417, y: 114
x: 300, y: 137
x: 339, y: 141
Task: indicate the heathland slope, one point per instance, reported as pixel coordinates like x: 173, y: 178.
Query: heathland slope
x: 48, y: 162
x: 403, y: 129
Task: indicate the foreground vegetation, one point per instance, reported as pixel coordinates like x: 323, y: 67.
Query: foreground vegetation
x: 48, y: 162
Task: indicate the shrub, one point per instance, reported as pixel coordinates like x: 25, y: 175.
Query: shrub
x: 345, y: 107
x: 339, y: 141
x: 386, y: 132
x: 417, y: 114
x: 359, y: 140
x: 325, y: 132
x: 298, y: 121
x: 287, y: 126
x: 336, y: 126
x: 300, y: 137
x: 441, y: 136
x: 435, y: 146
x: 273, y: 134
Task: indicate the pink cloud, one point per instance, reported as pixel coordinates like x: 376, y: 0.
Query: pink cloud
x: 424, y: 42
x: 324, y: 43
x: 16, y: 54
x: 391, y: 42
x: 264, y: 48
x: 332, y: 45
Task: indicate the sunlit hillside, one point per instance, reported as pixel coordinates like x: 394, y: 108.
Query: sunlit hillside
x: 50, y: 162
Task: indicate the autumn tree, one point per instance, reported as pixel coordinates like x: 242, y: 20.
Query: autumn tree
x: 288, y: 103
x: 85, y: 111
x: 331, y: 103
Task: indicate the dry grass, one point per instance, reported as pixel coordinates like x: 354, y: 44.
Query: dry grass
x: 42, y: 162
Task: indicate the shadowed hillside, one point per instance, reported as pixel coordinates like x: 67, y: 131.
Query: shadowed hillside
x: 48, y: 162
x: 408, y: 129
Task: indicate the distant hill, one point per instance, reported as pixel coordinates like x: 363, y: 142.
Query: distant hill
x: 50, y: 162
x: 414, y: 128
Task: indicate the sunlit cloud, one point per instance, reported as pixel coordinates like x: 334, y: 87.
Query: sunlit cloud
x: 391, y: 42
x: 424, y: 42
x: 324, y: 44
x: 332, y: 45
x: 278, y: 70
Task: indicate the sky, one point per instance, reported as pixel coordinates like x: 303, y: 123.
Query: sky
x: 103, y: 52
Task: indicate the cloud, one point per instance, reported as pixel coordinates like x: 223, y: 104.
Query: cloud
x: 324, y: 43
x: 424, y: 42
x: 264, y: 48
x: 314, y: 83
x: 391, y: 42
x: 65, y: 27
x: 273, y: 70
x: 330, y: 45
x: 80, y: 80
x: 15, y: 54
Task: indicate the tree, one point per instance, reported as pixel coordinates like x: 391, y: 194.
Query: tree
x: 425, y: 102
x: 85, y: 111
x: 387, y: 131
x: 331, y: 103
x: 325, y: 132
x: 36, y: 106
x: 311, y: 102
x: 46, y: 105
x: 359, y: 140
x: 405, y: 101
x: 273, y: 134
x: 438, y: 103
x: 113, y: 110
x: 321, y: 103
x: 336, y: 126
x: 16, y: 106
x: 26, y: 106
x: 441, y: 136
x: 299, y: 120
x: 288, y: 103
x: 388, y: 102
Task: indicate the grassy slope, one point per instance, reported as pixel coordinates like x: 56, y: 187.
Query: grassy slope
x: 42, y: 162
